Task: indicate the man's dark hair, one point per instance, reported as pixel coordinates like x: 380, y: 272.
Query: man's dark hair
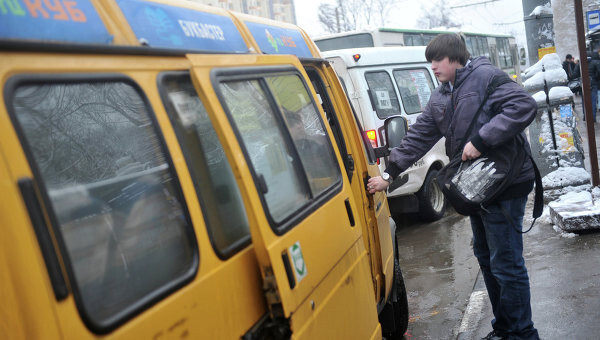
x: 569, y: 56
x: 449, y: 45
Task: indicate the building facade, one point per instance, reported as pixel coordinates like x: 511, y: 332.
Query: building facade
x: 565, y: 31
x: 280, y: 10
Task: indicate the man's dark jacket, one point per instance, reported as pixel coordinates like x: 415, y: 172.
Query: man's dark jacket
x: 594, y: 70
x: 507, y: 112
x: 569, y: 68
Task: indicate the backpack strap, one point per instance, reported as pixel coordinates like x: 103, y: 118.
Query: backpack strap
x: 492, y: 86
x: 538, y: 201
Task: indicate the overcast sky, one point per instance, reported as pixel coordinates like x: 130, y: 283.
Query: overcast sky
x: 500, y: 16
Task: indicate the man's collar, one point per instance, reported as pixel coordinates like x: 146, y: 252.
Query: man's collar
x: 450, y: 83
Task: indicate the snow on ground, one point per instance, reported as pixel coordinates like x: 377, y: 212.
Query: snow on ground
x: 563, y: 233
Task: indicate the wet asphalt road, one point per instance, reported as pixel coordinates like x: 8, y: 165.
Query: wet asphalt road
x: 439, y: 272
x: 447, y: 301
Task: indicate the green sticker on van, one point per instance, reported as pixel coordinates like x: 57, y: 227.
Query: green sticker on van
x: 297, y: 261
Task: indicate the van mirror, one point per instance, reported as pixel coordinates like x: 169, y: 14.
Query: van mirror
x: 395, y: 129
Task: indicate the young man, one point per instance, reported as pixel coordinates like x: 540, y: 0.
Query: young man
x: 507, y: 112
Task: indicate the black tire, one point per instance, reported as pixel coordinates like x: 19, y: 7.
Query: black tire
x: 432, y: 203
x: 400, y: 306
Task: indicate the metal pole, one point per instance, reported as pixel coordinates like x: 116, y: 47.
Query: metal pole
x: 551, y: 120
x: 586, y: 86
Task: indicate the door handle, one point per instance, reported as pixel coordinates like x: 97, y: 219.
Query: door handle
x: 288, y: 269
x: 349, y: 211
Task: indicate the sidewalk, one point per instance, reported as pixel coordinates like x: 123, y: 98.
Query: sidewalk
x: 564, y: 272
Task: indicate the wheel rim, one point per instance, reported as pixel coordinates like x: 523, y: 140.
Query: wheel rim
x: 436, y: 196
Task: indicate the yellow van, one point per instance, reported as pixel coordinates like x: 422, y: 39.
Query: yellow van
x: 171, y: 170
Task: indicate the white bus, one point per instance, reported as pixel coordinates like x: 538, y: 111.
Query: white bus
x: 500, y: 49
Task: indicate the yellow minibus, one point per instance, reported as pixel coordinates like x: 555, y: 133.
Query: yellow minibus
x: 172, y: 170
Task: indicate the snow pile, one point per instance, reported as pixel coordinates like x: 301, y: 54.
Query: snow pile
x: 549, y: 62
x: 540, y: 97
x: 560, y: 93
x: 553, y: 77
x: 596, y: 193
x: 566, y: 176
x: 576, y: 204
x: 575, y: 211
x: 539, y: 10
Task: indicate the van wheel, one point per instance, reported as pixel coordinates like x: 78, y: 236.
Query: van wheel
x: 400, y: 306
x: 432, y: 203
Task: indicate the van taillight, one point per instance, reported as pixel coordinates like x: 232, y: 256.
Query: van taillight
x: 372, y: 135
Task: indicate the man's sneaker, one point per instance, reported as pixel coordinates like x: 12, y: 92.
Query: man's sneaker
x: 492, y: 336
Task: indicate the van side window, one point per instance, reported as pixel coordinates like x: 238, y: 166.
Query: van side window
x: 415, y: 87
x: 319, y: 86
x: 307, y: 130
x: 211, y: 173
x: 382, y: 94
x: 111, y: 193
x: 285, y: 140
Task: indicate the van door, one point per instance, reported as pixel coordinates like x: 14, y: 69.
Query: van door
x: 306, y: 236
x: 375, y: 210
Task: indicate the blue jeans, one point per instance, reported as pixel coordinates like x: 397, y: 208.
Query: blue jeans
x: 499, y: 250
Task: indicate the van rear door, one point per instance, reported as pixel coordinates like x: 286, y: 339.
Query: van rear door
x: 303, y: 223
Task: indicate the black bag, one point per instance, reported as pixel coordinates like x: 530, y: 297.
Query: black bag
x: 473, y: 185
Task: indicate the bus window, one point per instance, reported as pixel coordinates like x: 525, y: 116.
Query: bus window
x: 347, y: 41
x: 485, y: 49
x: 504, y: 53
x: 110, y: 191
x: 211, y: 173
x: 427, y: 38
x: 413, y: 39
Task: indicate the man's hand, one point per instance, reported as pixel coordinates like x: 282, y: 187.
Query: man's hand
x: 470, y: 152
x: 377, y: 184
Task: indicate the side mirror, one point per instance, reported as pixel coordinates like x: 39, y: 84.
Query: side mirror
x: 395, y: 129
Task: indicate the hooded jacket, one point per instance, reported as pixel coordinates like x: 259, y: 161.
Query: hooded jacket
x: 507, y: 112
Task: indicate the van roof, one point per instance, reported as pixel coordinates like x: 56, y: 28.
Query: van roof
x: 380, y: 55
x: 166, y: 25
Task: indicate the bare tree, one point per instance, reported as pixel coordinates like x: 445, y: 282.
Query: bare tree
x: 350, y: 15
x: 435, y: 15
